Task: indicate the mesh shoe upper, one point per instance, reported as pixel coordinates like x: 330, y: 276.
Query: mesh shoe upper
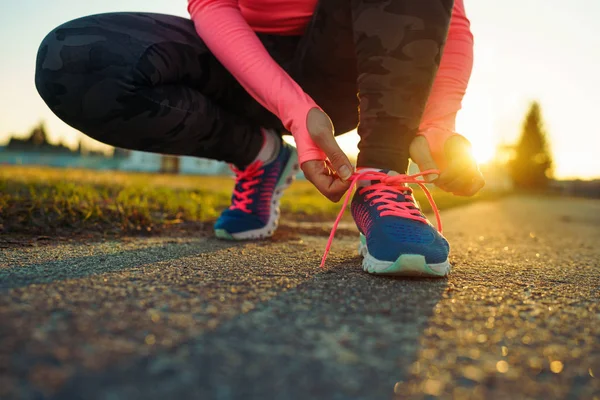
x: 390, y: 236
x: 252, y: 199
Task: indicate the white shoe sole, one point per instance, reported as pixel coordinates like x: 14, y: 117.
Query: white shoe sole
x: 406, y: 265
x: 289, y: 175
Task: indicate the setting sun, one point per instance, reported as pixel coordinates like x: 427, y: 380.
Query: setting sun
x: 475, y: 123
x: 483, y: 151
x: 478, y: 132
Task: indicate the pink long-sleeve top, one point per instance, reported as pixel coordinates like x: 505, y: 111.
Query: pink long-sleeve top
x: 227, y: 27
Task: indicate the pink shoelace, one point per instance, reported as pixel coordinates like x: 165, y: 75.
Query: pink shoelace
x: 382, y: 194
x: 241, y: 199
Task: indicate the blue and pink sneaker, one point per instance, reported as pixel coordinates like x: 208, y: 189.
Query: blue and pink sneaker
x: 395, y: 236
x: 254, y: 210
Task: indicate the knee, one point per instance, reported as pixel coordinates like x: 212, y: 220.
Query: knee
x: 79, y: 75
x: 48, y: 67
x: 65, y: 66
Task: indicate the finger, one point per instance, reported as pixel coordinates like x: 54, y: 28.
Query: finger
x: 459, y: 154
x: 454, y: 171
x: 460, y: 184
x: 421, y: 155
x: 332, y: 188
x: 337, y: 189
x: 458, y: 147
x: 330, y: 169
x: 314, y: 170
x: 465, y: 183
x: 338, y: 186
x: 468, y: 190
x: 328, y: 184
x: 476, y: 186
x: 338, y: 159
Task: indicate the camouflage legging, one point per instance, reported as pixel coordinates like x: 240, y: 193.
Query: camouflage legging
x: 147, y: 81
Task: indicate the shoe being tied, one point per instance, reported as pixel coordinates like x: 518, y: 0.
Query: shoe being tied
x: 395, y: 236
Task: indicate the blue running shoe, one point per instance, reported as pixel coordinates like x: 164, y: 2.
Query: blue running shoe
x: 254, y: 210
x: 395, y: 236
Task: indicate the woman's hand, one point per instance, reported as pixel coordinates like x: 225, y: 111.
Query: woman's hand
x: 460, y: 175
x: 330, y: 176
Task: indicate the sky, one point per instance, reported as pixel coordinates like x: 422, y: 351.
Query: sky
x: 525, y: 50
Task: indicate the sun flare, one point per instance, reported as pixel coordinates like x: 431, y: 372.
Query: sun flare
x: 475, y: 122
x: 483, y: 151
x: 482, y: 141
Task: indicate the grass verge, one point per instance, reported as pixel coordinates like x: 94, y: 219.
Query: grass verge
x: 44, y: 201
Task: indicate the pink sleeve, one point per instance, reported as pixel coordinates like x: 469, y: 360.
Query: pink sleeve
x: 222, y: 27
x: 451, y: 82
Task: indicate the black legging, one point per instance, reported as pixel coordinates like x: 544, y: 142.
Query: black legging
x: 148, y: 82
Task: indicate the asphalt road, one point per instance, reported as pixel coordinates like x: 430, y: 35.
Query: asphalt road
x: 163, y: 318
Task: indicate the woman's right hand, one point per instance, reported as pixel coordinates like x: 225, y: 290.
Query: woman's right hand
x: 331, y: 176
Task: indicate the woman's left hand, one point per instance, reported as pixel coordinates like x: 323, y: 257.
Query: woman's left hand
x: 460, y: 175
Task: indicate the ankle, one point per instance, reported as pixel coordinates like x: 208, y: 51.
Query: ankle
x: 270, y: 147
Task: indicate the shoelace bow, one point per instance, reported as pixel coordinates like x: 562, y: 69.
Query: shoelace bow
x: 241, y: 199
x: 383, y: 194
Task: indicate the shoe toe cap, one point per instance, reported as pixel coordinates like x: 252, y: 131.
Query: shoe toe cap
x: 408, y: 237
x: 235, y: 221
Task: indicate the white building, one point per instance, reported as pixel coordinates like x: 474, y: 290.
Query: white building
x: 201, y: 166
x: 141, y: 161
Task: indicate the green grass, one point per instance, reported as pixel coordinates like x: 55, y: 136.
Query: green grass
x: 41, y: 200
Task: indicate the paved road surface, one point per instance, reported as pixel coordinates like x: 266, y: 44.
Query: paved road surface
x: 153, y: 318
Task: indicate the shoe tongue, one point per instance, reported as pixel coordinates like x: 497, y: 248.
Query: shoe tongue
x: 402, y: 196
x: 364, y: 182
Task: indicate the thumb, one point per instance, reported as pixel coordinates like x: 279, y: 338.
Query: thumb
x: 421, y: 155
x: 321, y: 131
x: 340, y: 162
